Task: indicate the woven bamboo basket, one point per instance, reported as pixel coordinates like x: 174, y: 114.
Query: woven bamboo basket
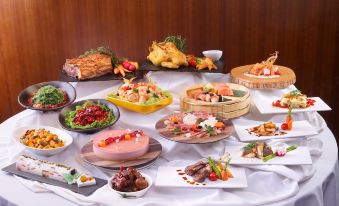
x: 238, y: 106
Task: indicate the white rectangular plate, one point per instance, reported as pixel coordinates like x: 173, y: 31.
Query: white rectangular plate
x: 169, y: 177
x: 264, y: 106
x: 300, y: 128
x: 299, y: 156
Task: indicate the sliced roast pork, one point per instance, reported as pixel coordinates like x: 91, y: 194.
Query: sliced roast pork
x: 93, y: 65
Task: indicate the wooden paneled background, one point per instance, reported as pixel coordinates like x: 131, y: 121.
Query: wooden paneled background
x: 36, y: 36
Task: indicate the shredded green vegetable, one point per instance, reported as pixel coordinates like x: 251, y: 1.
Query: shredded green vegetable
x: 48, y: 95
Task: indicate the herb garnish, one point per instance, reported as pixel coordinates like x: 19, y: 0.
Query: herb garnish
x: 209, y: 129
x: 249, y: 146
x: 177, y: 130
x: 103, y: 50
x: 179, y: 42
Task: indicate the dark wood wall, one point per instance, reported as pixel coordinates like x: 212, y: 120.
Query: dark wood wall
x: 36, y: 36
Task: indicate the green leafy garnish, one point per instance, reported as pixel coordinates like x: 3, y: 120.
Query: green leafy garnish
x: 48, y: 95
x: 209, y: 129
x: 71, y: 178
x: 155, y: 95
x: 103, y: 50
x: 135, y: 90
x: 249, y: 146
x: 177, y: 130
x: 178, y: 41
x: 238, y: 93
x: 227, y: 163
x: 295, y: 93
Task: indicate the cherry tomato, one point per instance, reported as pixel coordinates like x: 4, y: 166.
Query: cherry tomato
x: 192, y: 62
x: 277, y: 73
x: 132, y: 67
x: 213, y: 176
x: 284, y: 126
x: 126, y: 64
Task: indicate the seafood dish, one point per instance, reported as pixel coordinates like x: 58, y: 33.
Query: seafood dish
x: 265, y: 69
x: 48, y: 97
x: 55, y: 171
x: 41, y: 139
x: 129, y: 180
x: 265, y: 129
x: 142, y: 97
x: 170, y: 54
x: 264, y: 151
x: 294, y: 99
x: 96, y: 63
x: 89, y: 115
x: 195, y: 125
x: 121, y: 144
x: 271, y: 129
x: 214, y: 92
x: 211, y: 169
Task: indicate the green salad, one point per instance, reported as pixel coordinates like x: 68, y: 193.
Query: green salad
x: 89, y: 115
x: 48, y: 95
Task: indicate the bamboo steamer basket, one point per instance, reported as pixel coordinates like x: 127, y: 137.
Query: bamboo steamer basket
x: 238, y: 106
x: 287, y: 77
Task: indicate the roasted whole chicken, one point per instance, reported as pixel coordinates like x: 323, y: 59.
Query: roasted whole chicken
x: 166, y: 55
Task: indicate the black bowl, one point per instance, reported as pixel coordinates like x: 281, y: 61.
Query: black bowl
x: 29, y: 91
x: 110, y: 105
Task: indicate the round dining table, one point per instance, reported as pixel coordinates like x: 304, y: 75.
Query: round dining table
x: 299, y: 185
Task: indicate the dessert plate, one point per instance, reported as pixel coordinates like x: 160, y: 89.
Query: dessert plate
x: 176, y: 177
x: 143, y: 161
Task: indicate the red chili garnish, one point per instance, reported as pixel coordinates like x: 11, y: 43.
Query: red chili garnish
x: 310, y: 102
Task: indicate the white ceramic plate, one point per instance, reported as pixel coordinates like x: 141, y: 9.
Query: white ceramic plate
x: 264, y: 106
x: 45, y: 152
x: 169, y: 177
x: 300, y: 128
x: 299, y: 156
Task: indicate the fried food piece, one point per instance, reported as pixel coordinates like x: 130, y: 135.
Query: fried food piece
x: 166, y: 55
x: 206, y: 63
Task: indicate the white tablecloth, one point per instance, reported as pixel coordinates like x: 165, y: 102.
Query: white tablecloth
x: 298, y: 185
